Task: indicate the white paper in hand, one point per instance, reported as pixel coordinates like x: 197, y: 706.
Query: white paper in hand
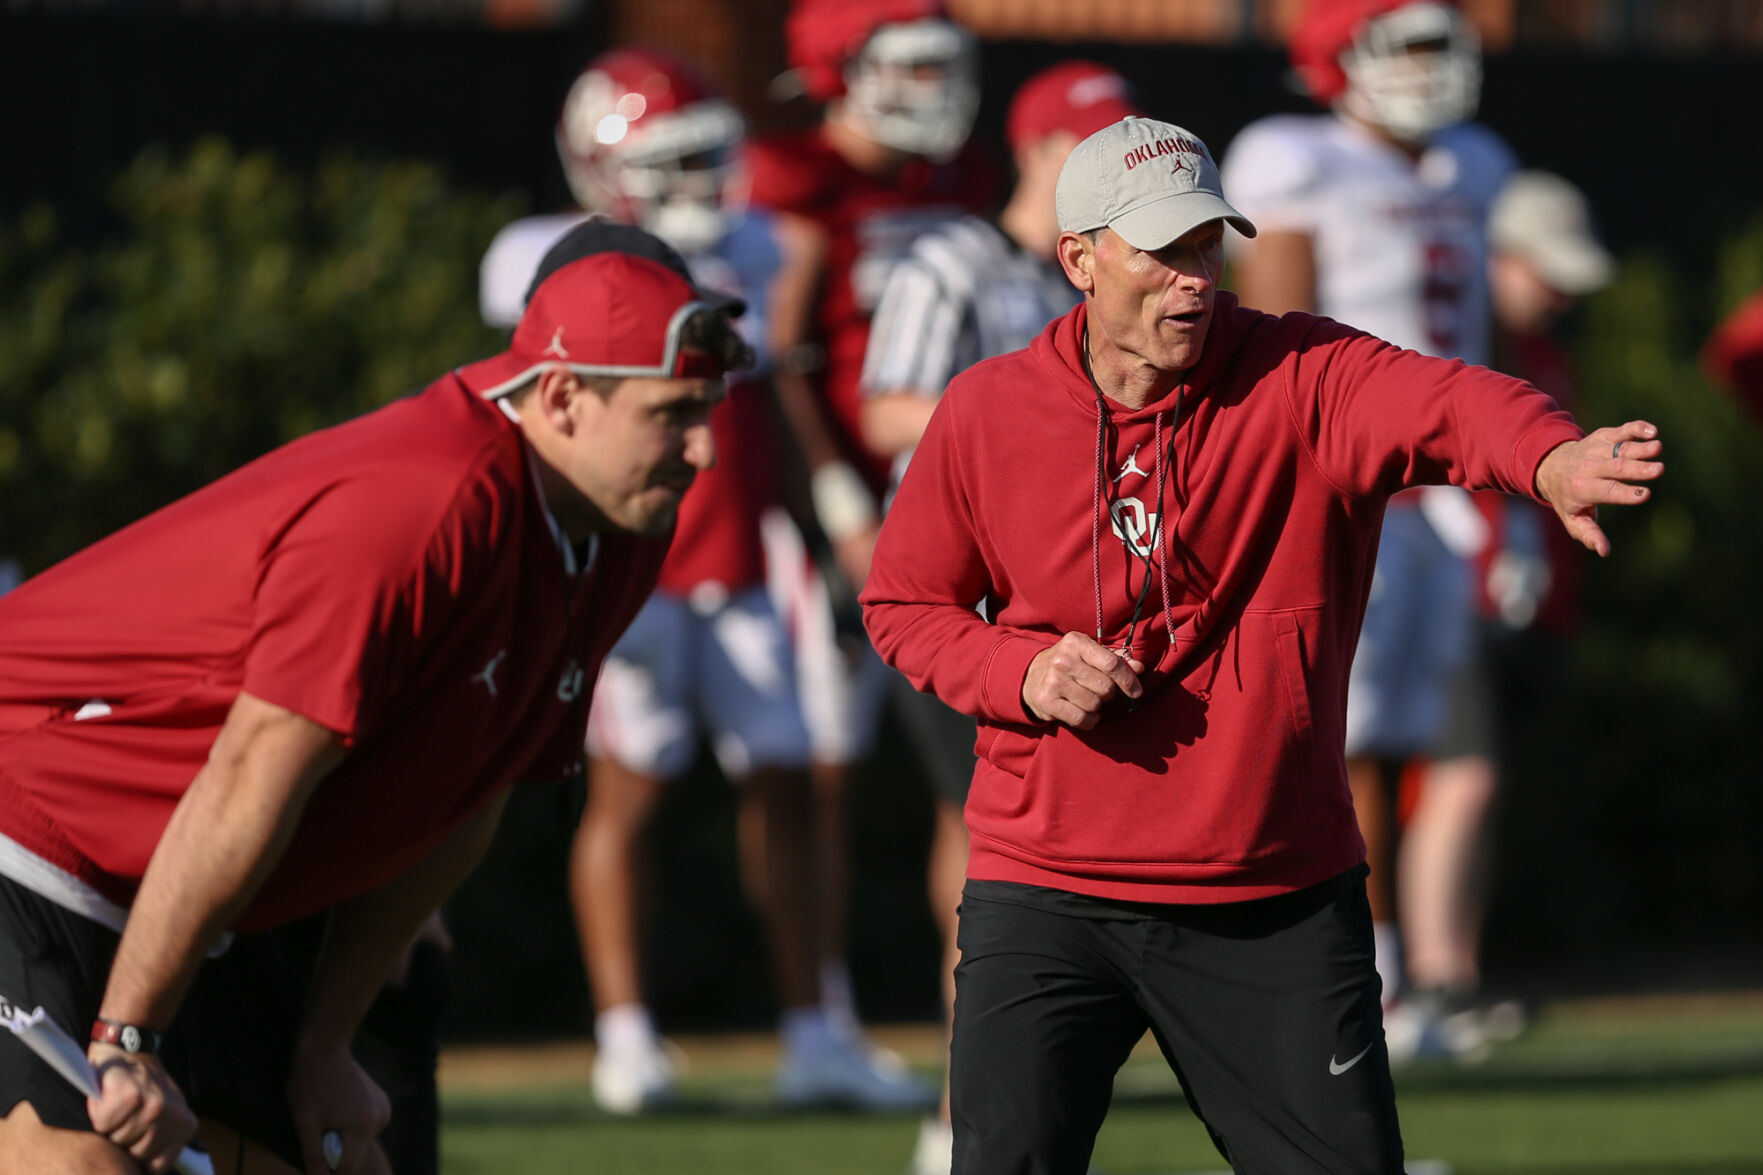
x: 63, y: 1053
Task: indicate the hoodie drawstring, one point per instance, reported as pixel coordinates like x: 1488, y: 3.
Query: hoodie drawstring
x: 1163, y: 514
x: 1101, y: 503
x: 1096, y: 506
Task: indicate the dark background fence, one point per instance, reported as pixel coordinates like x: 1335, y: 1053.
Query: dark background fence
x: 1629, y: 837
x: 1668, y: 145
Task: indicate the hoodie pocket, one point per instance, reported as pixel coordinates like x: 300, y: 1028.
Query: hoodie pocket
x: 1288, y: 643
x: 1011, y: 749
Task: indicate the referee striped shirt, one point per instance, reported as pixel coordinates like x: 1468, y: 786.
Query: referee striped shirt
x: 964, y: 292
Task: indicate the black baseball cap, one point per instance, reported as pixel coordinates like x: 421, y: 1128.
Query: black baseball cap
x: 600, y: 235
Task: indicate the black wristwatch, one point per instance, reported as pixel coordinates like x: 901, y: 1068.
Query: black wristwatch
x: 130, y: 1038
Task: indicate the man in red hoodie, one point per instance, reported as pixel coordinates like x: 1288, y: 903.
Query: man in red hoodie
x: 1162, y: 833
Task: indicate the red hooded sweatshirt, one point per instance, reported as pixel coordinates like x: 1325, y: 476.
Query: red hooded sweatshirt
x: 1227, y: 780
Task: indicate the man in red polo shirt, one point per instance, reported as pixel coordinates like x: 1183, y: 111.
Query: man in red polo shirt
x: 306, y: 688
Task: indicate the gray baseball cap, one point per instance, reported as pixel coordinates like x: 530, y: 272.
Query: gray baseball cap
x: 1149, y: 181
x: 1547, y: 221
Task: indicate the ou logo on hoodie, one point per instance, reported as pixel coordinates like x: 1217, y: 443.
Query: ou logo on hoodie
x: 1135, y: 526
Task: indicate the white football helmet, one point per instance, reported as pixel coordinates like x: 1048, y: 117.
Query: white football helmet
x: 915, y: 86
x: 646, y: 139
x: 1413, y: 71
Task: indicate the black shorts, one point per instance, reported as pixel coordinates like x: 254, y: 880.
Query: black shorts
x: 942, y: 739
x: 1268, y: 1011
x: 57, y: 960
x: 399, y: 1045
x: 228, y: 1050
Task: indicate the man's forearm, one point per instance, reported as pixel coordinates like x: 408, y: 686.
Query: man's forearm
x: 950, y: 651
x: 894, y: 421
x: 222, y: 842
x: 804, y: 421
x: 367, y: 933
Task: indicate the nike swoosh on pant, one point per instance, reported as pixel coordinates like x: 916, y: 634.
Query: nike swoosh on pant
x: 1335, y: 1069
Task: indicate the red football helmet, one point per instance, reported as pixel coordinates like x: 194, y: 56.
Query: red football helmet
x: 907, y: 74
x: 647, y: 139
x: 1409, y: 67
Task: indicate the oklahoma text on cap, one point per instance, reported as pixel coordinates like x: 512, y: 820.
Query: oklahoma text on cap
x: 1149, y: 181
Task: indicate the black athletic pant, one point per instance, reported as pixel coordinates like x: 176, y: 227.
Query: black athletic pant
x: 1268, y: 1011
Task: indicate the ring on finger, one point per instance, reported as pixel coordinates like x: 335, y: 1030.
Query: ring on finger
x: 1616, y: 450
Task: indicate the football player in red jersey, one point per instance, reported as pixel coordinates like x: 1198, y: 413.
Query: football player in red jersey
x: 230, y: 793
x: 888, y: 159
x: 967, y: 291
x: 646, y: 138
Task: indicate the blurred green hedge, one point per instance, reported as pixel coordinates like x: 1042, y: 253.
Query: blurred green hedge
x: 1635, y: 803
x: 241, y: 305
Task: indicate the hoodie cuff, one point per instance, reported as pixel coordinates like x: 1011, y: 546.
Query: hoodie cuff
x: 1533, y: 447
x: 1005, y: 671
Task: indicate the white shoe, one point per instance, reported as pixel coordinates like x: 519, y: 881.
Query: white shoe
x: 1503, y: 1021
x: 934, y: 1153
x: 1420, y: 1028
x: 634, y: 1078
x: 850, y: 1072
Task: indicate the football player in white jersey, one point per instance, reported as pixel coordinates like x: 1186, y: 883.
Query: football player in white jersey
x: 1375, y: 214
x: 887, y: 160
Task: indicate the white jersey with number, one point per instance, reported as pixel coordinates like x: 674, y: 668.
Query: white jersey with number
x: 1400, y: 244
x: 1400, y: 249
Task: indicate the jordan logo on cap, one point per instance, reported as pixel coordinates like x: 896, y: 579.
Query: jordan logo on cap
x: 555, y: 346
x: 1181, y: 165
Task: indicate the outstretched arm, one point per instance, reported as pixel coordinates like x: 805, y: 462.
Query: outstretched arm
x: 894, y: 420
x: 818, y: 477
x: 1599, y: 469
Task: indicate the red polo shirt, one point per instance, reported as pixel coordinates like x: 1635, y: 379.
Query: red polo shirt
x: 395, y: 579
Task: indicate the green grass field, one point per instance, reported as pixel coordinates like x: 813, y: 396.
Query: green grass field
x: 1653, y: 1086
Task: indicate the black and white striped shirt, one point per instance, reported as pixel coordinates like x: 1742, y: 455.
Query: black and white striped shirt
x: 964, y: 292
